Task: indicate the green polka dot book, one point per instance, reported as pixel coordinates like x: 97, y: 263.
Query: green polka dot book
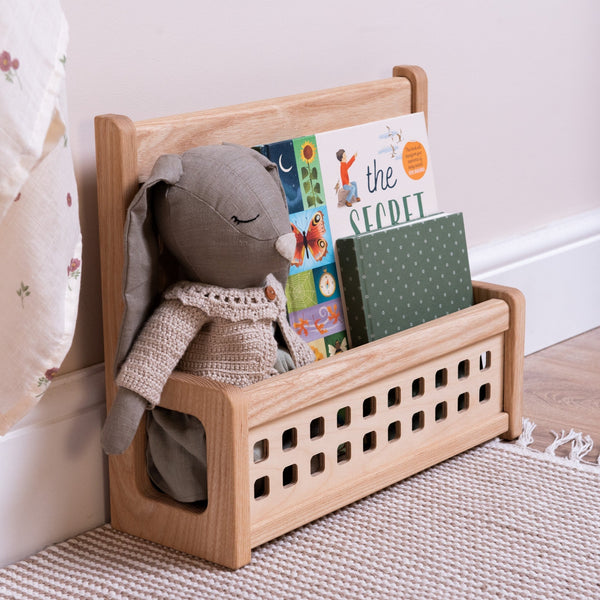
x: 403, y: 276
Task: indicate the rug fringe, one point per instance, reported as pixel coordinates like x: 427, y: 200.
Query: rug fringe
x: 526, y: 437
x: 581, y: 445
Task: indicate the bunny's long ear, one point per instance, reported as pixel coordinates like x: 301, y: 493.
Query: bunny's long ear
x: 140, y: 271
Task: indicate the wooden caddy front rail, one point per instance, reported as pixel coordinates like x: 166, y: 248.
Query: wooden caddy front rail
x: 236, y: 419
x: 292, y: 448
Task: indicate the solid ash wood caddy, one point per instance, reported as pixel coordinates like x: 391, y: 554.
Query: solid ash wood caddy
x: 292, y: 448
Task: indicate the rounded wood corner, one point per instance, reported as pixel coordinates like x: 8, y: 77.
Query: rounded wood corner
x: 511, y: 295
x: 418, y: 80
x: 514, y: 432
x: 119, y: 122
x: 413, y: 72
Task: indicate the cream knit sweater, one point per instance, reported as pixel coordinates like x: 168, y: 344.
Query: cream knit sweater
x: 221, y: 333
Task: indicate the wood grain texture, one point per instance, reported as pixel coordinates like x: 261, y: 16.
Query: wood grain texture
x: 116, y: 156
x: 514, y: 350
x: 562, y: 390
x: 369, y: 363
x: 275, y: 119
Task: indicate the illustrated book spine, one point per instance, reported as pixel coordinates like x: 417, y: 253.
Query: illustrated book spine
x: 313, y: 289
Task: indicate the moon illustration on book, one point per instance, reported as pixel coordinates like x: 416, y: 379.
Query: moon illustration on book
x: 282, y: 167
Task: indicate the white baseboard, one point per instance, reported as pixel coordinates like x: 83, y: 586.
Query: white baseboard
x: 557, y: 268
x: 53, y: 475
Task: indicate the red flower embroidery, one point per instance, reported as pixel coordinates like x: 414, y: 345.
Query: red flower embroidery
x: 5, y: 61
x: 73, y: 266
x: 51, y: 373
x: 69, y: 200
x: 73, y: 271
x: 44, y: 381
x: 9, y: 66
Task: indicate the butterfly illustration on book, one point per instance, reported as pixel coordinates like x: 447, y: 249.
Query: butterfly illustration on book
x: 310, y: 242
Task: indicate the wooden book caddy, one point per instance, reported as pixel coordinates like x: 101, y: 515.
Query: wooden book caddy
x: 409, y: 401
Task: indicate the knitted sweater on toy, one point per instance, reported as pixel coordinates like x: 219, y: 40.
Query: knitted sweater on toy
x: 220, y: 333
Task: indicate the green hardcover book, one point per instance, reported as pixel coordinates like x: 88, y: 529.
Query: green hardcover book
x: 402, y: 276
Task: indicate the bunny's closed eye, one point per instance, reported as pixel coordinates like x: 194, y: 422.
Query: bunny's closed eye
x: 237, y: 220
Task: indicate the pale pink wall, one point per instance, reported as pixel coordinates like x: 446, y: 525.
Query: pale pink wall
x: 514, y: 93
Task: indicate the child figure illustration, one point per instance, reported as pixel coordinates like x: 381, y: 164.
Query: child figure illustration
x: 348, y: 193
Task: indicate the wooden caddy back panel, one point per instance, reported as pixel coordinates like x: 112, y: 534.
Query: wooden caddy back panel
x: 334, y: 431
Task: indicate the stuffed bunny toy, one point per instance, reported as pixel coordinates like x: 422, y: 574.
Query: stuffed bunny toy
x: 220, y: 212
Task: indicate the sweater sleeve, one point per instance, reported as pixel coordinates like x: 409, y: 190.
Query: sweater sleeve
x: 158, y: 348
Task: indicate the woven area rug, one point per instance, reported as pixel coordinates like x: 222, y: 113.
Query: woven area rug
x: 500, y: 521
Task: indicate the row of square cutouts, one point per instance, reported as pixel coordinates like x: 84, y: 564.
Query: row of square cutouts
x: 289, y: 475
x: 289, y: 438
x: 369, y: 443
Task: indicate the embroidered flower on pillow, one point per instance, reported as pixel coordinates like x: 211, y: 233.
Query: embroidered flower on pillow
x: 9, y: 66
x: 44, y: 381
x: 73, y: 270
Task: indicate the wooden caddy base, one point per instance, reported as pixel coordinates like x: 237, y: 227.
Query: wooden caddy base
x: 290, y: 449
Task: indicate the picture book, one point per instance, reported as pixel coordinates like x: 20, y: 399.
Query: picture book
x: 376, y: 175
x: 402, y: 276
x: 343, y: 182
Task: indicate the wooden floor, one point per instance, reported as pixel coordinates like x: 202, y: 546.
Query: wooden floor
x: 562, y: 390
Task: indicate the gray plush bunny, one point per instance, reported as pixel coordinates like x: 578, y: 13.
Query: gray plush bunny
x: 220, y: 211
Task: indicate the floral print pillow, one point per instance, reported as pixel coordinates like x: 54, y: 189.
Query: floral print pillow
x: 40, y: 239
